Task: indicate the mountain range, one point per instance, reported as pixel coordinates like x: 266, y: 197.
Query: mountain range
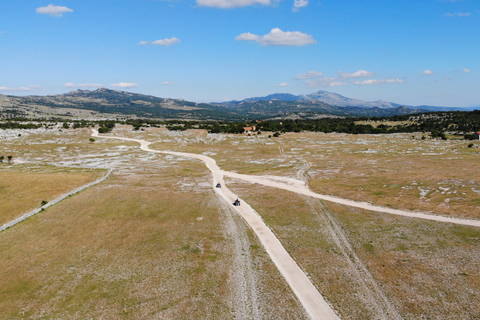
x: 336, y: 100
x: 107, y: 103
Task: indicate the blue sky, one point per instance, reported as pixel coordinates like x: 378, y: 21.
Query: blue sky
x: 410, y: 52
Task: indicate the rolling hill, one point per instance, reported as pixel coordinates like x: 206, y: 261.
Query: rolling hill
x: 107, y: 103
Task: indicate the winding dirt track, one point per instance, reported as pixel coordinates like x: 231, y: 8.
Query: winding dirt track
x: 313, y: 302
x: 311, y: 299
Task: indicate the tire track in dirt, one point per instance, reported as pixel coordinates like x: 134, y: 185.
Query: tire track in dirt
x: 308, y: 295
x: 245, y: 301
x: 281, y: 149
x: 371, y: 293
x: 299, y: 187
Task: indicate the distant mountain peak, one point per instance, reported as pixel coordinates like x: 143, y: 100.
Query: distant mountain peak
x: 277, y: 96
x: 76, y: 92
x: 335, y: 99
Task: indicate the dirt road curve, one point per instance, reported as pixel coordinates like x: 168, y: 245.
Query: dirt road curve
x: 303, y: 288
x: 306, y: 292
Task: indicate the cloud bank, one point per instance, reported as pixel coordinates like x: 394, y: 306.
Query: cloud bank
x: 82, y: 85
x: 29, y: 88
x: 297, y: 4
x: 357, y: 74
x: 376, y: 82
x: 314, y: 79
x: 230, y: 4
x: 55, y: 11
x: 124, y: 85
x: 163, y: 42
x: 308, y: 75
x: 458, y: 14
x: 277, y: 37
x: 325, y: 82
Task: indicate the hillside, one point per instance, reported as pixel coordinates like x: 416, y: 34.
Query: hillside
x: 310, y: 109
x: 106, y: 101
x: 113, y: 104
x: 344, y: 103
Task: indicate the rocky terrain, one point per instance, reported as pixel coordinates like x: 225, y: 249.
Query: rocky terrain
x: 121, y: 105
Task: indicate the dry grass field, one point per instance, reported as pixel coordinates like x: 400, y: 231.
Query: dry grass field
x: 399, y: 170
x: 371, y: 265
x: 153, y: 241
x: 24, y: 187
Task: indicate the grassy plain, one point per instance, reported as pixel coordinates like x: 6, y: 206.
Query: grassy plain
x: 376, y: 266
x: 401, y: 171
x: 153, y: 240
x: 24, y: 187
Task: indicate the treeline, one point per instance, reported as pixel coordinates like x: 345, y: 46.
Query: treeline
x: 19, y: 125
x: 460, y: 122
x: 437, y: 123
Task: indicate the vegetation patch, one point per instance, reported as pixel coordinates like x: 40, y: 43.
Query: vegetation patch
x: 27, y: 187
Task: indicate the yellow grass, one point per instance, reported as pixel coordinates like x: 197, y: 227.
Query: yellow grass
x: 150, y: 242
x: 132, y: 247
x: 24, y: 187
x: 426, y: 270
x: 399, y: 171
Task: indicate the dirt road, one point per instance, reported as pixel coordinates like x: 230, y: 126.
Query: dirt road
x: 311, y: 299
x: 313, y: 302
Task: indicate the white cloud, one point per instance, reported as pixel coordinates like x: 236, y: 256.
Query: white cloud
x: 166, y: 83
x: 162, y: 42
x: 166, y: 42
x: 297, y: 4
x: 124, y: 85
x: 229, y: 4
x: 427, y: 72
x: 308, y: 75
x: 29, y: 88
x: 325, y: 82
x: 337, y: 84
x: 56, y: 11
x: 247, y: 36
x: 357, y: 74
x: 283, y: 84
x: 82, y: 85
x: 458, y: 14
x: 466, y: 70
x: 375, y: 82
x: 278, y: 37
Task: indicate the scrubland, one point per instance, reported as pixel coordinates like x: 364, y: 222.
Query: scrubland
x: 24, y: 187
x: 153, y: 240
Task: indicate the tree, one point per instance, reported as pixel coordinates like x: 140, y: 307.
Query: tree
x: 439, y: 134
x: 91, y: 140
x: 9, y: 158
x: 1, y: 158
x: 66, y: 125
